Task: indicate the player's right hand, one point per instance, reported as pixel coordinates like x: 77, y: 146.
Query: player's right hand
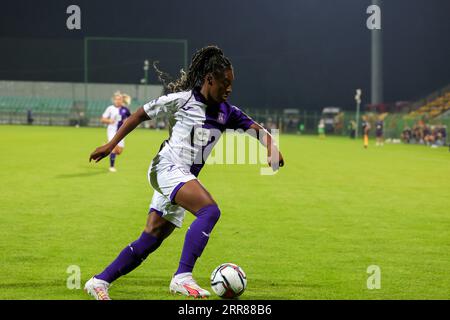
x: 100, y: 153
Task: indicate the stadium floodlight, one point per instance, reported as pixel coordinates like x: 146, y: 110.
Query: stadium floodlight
x: 358, y: 105
x: 376, y: 73
x: 146, y: 64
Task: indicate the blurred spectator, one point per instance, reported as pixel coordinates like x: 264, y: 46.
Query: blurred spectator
x: 379, y: 126
x: 321, y: 128
x: 406, y: 135
x: 301, y: 128
x: 30, y: 118
x: 352, y: 129
x: 270, y: 124
x: 429, y: 135
x: 365, y: 129
x: 421, y: 133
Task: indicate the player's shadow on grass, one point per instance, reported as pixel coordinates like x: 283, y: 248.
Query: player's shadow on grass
x: 146, y: 282
x: 91, y: 172
x: 131, y: 287
x: 157, y: 288
x: 272, y: 288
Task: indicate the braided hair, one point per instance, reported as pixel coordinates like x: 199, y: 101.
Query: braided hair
x: 209, y: 59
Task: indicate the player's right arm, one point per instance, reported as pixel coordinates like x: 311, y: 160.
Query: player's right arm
x: 106, y: 120
x: 132, y: 122
x: 106, y: 117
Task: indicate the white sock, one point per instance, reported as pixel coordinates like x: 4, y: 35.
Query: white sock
x: 182, y: 275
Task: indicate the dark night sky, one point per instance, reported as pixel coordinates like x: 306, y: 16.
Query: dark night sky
x: 286, y: 53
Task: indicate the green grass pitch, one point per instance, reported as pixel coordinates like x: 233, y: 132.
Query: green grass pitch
x: 309, y: 232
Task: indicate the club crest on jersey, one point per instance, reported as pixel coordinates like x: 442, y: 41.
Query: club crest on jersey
x: 221, y: 117
x: 201, y: 136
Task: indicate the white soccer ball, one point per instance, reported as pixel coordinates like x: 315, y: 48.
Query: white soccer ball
x: 228, y: 280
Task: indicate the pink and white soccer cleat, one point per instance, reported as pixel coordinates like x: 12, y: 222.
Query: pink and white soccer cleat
x: 97, y: 288
x: 184, y: 284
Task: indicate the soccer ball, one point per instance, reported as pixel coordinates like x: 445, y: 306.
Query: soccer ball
x: 228, y: 280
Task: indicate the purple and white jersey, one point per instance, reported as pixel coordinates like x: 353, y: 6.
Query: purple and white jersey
x: 194, y: 127
x: 118, y: 115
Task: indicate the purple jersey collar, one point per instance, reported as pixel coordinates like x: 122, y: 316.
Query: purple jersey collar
x: 200, y: 98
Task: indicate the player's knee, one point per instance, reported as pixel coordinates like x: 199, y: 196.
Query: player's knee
x: 143, y: 246
x: 153, y: 230
x: 159, y: 227
x: 210, y: 212
x: 159, y: 232
x: 216, y: 213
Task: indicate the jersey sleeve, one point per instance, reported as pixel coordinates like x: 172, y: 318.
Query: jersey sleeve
x: 160, y: 106
x: 239, y: 120
x: 107, y: 113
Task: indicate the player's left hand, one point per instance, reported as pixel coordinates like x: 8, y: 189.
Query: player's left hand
x: 100, y: 153
x: 272, y: 161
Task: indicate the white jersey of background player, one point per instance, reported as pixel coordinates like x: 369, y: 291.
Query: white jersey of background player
x: 114, y: 116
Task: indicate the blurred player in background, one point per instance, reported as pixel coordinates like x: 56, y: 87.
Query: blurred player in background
x: 321, y: 129
x: 352, y: 129
x: 379, y: 128
x: 114, y: 116
x: 199, y: 113
x: 365, y: 130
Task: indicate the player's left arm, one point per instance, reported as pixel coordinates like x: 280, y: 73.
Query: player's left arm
x: 274, y: 156
x: 132, y: 122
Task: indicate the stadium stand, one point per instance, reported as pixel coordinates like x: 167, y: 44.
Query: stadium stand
x: 53, y: 103
x: 433, y: 106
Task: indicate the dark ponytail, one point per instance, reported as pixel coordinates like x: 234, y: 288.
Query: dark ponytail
x: 209, y: 59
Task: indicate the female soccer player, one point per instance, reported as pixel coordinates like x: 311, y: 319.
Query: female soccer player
x: 198, y: 113
x: 365, y: 129
x: 114, y: 116
x: 379, y: 127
